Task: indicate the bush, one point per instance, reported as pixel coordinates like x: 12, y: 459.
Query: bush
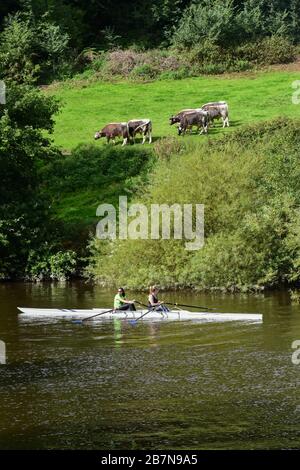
x: 121, y: 62
x: 24, y: 209
x: 167, y: 147
x: 212, y: 20
x: 295, y: 296
x: 268, y: 51
x: 211, y: 69
x: 144, y: 72
x: 275, y: 50
x: 32, y: 49
x: 43, y: 265
x: 206, y: 51
x: 180, y: 74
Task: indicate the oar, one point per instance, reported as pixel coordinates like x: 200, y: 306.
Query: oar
x: 190, y: 306
x: 133, y: 322
x: 93, y: 316
x: 140, y: 303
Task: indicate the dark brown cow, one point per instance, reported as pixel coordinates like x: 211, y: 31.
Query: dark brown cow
x: 140, y: 126
x: 113, y: 130
x: 194, y: 118
x: 178, y: 116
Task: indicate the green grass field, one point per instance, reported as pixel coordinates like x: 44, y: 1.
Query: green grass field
x: 251, y: 97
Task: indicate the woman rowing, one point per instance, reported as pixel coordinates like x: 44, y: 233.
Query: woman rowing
x: 157, y: 305
x: 121, y: 303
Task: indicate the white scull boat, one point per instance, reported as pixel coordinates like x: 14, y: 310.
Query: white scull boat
x: 65, y: 313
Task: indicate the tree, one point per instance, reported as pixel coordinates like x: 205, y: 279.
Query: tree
x: 24, y: 212
x: 211, y: 20
x: 31, y: 47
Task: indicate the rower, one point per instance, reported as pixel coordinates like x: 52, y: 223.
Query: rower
x: 154, y: 302
x: 121, y: 303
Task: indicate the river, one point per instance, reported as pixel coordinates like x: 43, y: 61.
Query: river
x: 156, y: 385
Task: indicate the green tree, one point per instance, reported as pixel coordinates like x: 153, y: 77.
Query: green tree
x: 31, y: 47
x: 24, y: 211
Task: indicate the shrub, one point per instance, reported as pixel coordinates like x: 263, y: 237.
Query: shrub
x: 272, y: 50
x: 144, y: 72
x: 31, y: 48
x: 45, y: 265
x: 212, y: 20
x: 205, y: 51
x: 295, y: 296
x: 121, y: 62
x: 180, y: 74
x: 168, y: 146
x: 275, y: 50
x: 211, y: 69
x: 16, y: 50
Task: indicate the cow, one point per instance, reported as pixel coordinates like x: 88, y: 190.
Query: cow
x: 140, y: 126
x: 178, y: 116
x: 217, y: 110
x: 113, y: 130
x: 194, y: 118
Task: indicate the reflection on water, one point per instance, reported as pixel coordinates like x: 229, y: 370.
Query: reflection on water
x: 154, y: 385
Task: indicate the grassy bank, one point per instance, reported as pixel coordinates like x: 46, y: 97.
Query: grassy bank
x: 89, y: 106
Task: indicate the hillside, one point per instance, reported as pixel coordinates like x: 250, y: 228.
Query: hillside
x: 89, y: 106
x: 77, y: 184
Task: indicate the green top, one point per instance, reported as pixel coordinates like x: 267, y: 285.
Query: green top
x: 119, y: 300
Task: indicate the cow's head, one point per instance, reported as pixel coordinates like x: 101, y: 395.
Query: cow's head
x: 97, y: 135
x: 173, y: 120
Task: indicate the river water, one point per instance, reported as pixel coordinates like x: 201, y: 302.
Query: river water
x: 158, y: 385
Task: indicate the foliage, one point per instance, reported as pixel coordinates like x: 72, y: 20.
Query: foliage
x: 248, y: 183
x: 270, y: 50
x: 229, y: 23
x: 25, y: 215
x: 31, y: 48
x: 295, y: 296
x: 43, y: 41
x: 43, y: 265
x: 92, y: 175
x: 208, y: 20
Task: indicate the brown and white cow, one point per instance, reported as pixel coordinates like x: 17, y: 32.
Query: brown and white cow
x: 140, y: 126
x: 113, y: 130
x: 217, y: 110
x: 194, y: 118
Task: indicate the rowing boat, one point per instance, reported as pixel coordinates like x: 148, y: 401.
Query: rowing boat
x: 153, y: 315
